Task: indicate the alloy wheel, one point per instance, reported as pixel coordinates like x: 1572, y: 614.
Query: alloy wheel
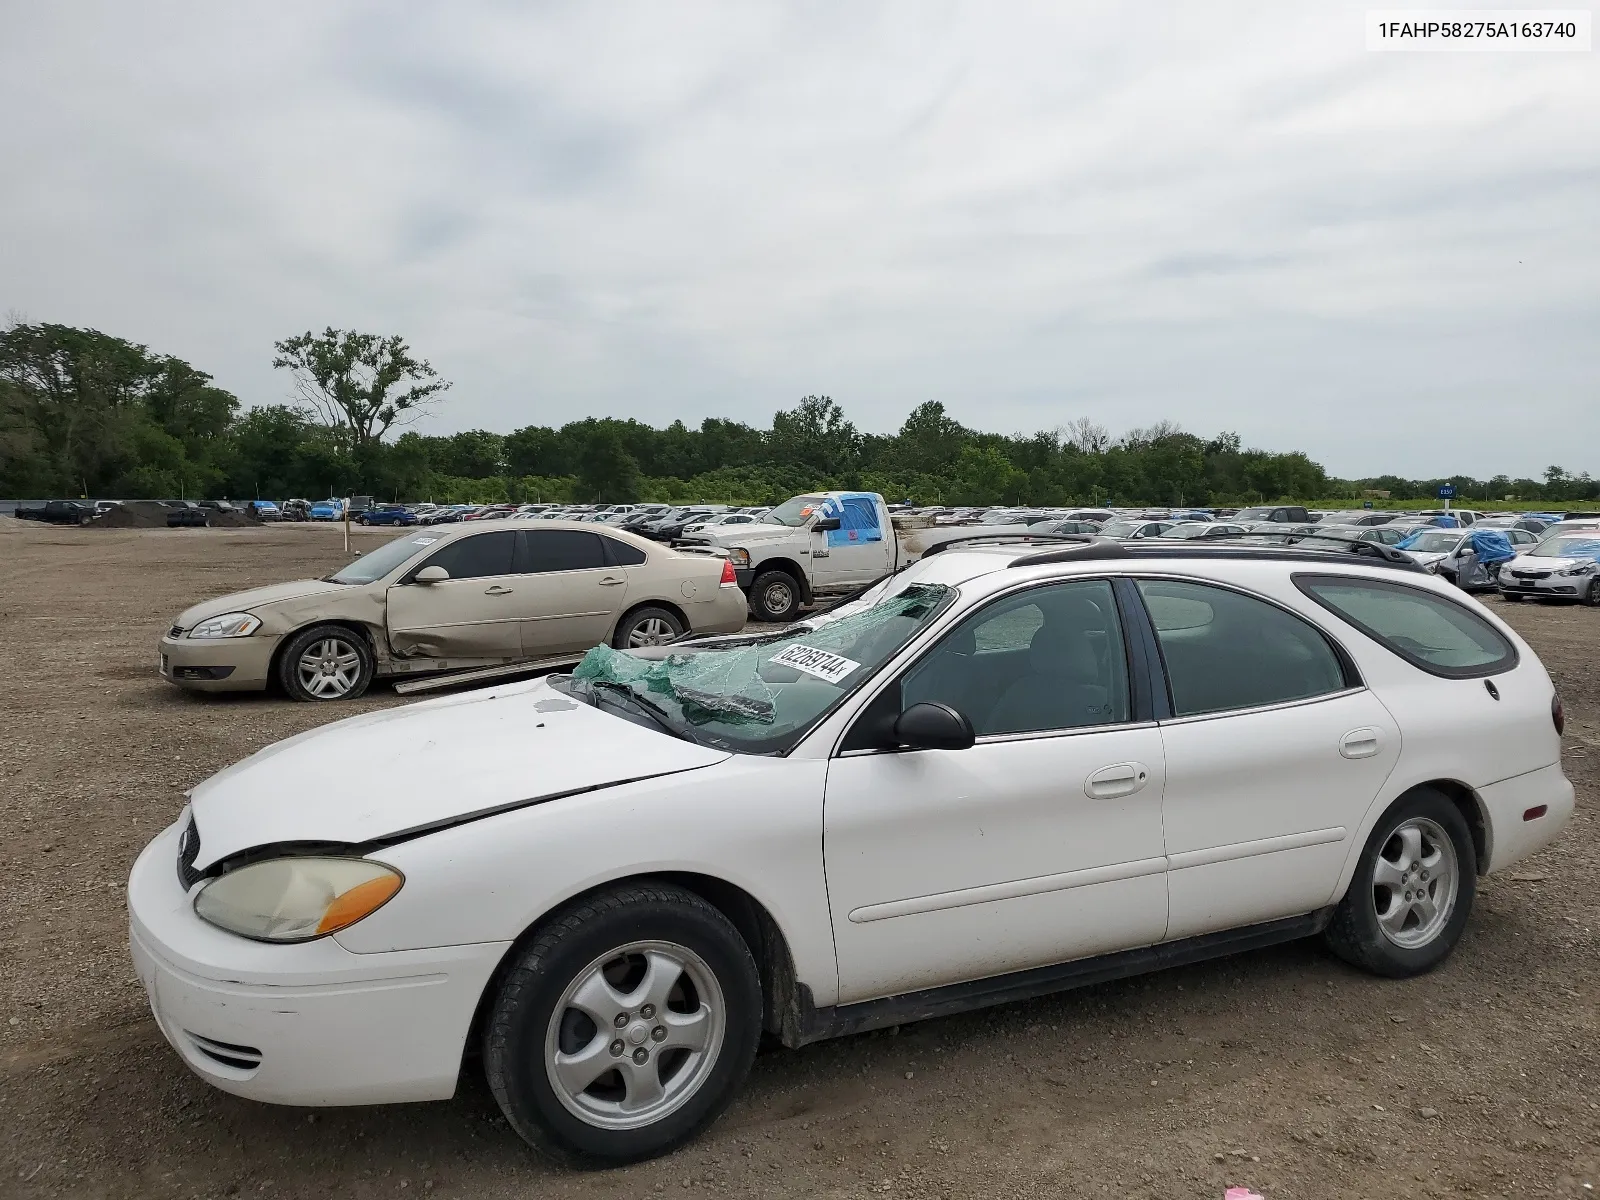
x: 329, y: 668
x: 652, y: 631
x: 1414, y: 883
x: 635, y: 1035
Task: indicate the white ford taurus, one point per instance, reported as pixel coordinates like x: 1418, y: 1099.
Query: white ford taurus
x: 1009, y: 770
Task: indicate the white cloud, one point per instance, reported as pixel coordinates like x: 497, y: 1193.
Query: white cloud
x: 1231, y: 215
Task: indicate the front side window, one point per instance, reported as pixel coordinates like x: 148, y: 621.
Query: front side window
x: 1051, y: 658
x: 1427, y: 630
x: 476, y: 556
x: 1223, y: 650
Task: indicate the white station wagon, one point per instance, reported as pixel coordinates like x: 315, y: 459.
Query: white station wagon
x: 1011, y: 769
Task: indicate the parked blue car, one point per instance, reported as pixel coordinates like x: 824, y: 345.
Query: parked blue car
x: 328, y: 510
x: 387, y: 514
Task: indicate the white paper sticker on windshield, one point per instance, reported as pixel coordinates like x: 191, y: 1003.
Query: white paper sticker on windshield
x: 812, y: 661
x: 423, y: 541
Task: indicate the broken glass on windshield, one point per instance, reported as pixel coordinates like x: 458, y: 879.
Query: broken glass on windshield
x: 758, y: 694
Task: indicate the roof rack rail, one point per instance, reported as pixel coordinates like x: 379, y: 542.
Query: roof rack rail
x: 1009, y: 537
x: 1357, y: 545
x: 1216, y: 549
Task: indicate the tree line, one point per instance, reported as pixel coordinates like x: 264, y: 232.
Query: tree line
x: 83, y: 413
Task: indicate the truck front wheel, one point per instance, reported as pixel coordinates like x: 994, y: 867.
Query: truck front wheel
x: 775, y: 596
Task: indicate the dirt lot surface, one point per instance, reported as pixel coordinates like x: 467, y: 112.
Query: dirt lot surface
x: 1283, y: 1070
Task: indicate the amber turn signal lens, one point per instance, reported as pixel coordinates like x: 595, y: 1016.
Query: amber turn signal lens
x: 359, y: 901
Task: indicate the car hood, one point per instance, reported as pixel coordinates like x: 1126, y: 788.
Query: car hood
x: 1425, y: 558
x: 1525, y: 562
x: 757, y: 534
x: 256, y: 598
x: 406, y: 770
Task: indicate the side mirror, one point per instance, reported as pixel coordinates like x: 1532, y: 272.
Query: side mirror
x: 825, y: 524
x: 933, y: 727
x: 431, y: 575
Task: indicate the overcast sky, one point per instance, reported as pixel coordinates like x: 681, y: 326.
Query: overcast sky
x: 1228, y: 215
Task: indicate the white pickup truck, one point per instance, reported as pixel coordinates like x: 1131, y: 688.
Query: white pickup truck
x: 822, y: 544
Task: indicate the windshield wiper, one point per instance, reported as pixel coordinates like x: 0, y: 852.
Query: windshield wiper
x: 649, y: 707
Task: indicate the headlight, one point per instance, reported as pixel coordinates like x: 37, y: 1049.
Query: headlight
x: 739, y: 556
x: 297, y: 899
x: 1580, y: 569
x: 226, y: 626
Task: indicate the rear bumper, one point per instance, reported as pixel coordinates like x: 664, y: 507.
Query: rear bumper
x: 1517, y: 825
x: 219, y: 664
x: 311, y: 1023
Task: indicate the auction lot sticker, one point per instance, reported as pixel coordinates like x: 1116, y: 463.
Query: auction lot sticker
x: 821, y: 663
x: 1475, y: 30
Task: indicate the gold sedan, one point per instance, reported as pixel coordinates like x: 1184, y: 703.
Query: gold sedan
x: 473, y: 595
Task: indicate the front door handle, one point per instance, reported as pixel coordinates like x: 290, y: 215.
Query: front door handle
x: 497, y: 590
x: 1120, y: 779
x: 1361, y: 743
x: 612, y: 581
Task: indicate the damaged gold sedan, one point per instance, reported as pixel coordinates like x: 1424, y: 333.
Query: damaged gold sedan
x: 452, y: 599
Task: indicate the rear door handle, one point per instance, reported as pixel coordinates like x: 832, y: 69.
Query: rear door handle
x: 1361, y: 743
x: 611, y: 581
x: 1120, y: 779
x: 497, y: 590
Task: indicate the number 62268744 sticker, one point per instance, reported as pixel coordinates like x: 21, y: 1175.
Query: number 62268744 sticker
x: 821, y: 663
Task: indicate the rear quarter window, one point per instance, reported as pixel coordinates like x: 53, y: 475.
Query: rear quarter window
x: 1429, y: 631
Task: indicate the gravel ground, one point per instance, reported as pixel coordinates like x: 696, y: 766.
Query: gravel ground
x: 1282, y: 1070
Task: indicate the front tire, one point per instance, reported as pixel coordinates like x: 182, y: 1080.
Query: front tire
x: 325, y: 662
x: 775, y: 596
x: 1591, y: 598
x: 1412, y: 892
x: 625, y: 1027
x: 1512, y: 597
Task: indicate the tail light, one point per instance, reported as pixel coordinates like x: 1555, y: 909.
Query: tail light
x: 729, y: 579
x: 1558, y: 714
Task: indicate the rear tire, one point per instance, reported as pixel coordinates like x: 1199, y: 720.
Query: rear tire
x: 1412, y: 892
x: 775, y: 596
x: 674, y: 1065
x: 648, y: 626
x: 325, y: 662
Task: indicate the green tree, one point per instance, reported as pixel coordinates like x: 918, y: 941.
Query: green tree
x: 358, y: 385
x: 606, y: 471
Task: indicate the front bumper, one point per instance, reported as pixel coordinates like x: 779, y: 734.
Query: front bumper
x: 746, y: 576
x: 310, y: 1023
x: 218, y: 664
x: 1546, y: 584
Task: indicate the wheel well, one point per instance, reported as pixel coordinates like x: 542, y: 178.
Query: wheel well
x: 779, y: 992
x: 1465, y: 799
x: 666, y: 604
x: 789, y: 567
x: 283, y: 643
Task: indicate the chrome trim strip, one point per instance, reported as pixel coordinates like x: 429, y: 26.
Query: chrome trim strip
x: 986, y: 893
x: 1271, y: 845
x: 1223, y: 713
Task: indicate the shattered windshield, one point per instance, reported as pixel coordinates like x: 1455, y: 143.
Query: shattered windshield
x: 756, y: 695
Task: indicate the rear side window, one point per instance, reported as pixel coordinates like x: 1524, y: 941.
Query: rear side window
x: 547, y: 550
x: 477, y: 556
x: 1223, y: 650
x: 1428, y: 631
x: 623, y: 554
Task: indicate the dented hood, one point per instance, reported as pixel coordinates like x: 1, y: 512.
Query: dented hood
x: 407, y: 769
x: 257, y: 598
